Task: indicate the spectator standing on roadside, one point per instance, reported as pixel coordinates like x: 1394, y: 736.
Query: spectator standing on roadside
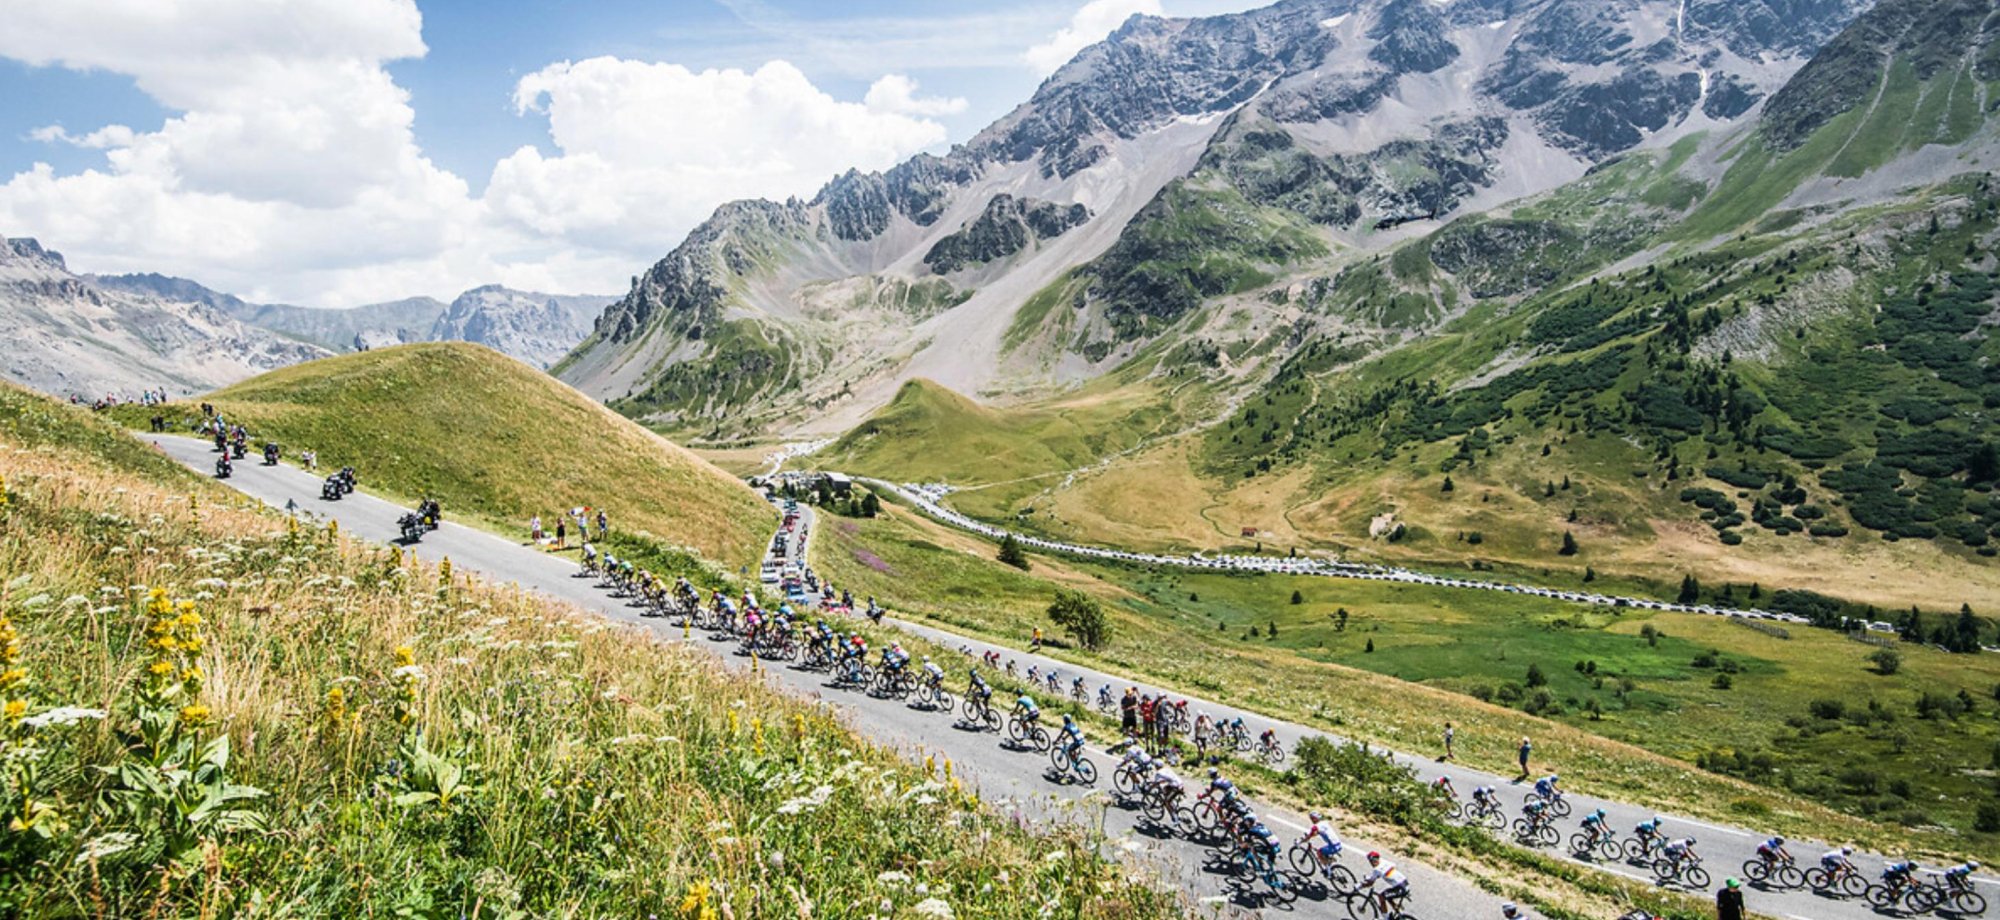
x: 1447, y: 741
x: 562, y: 532
x: 535, y: 528
x: 1128, y: 710
x: 603, y: 524
x: 1527, y: 747
x: 1729, y: 901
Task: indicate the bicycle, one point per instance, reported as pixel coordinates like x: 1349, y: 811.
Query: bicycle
x: 1687, y: 871
x: 1158, y: 804
x: 932, y: 695
x: 1068, y: 761
x: 1307, y: 863
x: 1482, y: 814
x: 1914, y: 896
x: 1604, y: 847
x: 1364, y: 905
x: 1641, y: 850
x: 1262, y: 867
x: 1779, y: 873
x: 1027, y: 734
x: 1556, y: 803
x: 979, y: 713
x: 1536, y: 833
x: 1843, y: 882
x: 1959, y: 899
x: 1271, y: 752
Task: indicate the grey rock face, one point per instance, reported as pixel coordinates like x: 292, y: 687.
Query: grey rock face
x: 536, y: 328
x: 1006, y: 227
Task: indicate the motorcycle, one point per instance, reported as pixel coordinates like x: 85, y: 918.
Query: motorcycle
x: 223, y: 467
x: 412, y: 526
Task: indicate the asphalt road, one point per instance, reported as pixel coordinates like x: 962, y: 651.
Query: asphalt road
x: 1007, y: 779
x: 1016, y: 780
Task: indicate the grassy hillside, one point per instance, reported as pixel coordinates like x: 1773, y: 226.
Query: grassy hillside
x: 211, y: 714
x: 492, y: 437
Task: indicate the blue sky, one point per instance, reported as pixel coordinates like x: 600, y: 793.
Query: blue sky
x: 334, y: 152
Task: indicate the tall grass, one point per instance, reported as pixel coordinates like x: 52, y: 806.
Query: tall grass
x: 209, y: 712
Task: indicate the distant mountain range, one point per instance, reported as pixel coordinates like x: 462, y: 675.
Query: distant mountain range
x: 1177, y: 163
x: 536, y: 328
x: 68, y: 336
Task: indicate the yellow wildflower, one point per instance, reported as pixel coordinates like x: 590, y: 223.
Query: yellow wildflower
x: 16, y: 709
x: 405, y: 656
x: 194, y: 714
x: 696, y: 903
x: 162, y: 668
x: 12, y: 676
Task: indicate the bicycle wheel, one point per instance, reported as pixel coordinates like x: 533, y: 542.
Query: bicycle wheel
x: 1361, y: 906
x: 1924, y: 899
x: 1041, y: 738
x: 972, y: 713
x: 1121, y: 780
x: 1755, y: 870
x: 1017, y: 732
x: 1850, y: 885
x: 1341, y: 878
x: 1303, y: 861
x: 1206, y: 819
x: 1882, y: 896
x: 1493, y: 820
x: 1663, y: 869
x: 1085, y: 770
x: 1580, y: 844
x: 1059, y: 758
x: 1696, y: 877
x: 1184, y: 822
x: 1522, y: 830
x: 992, y: 719
x: 944, y: 700
x: 1559, y: 807
x: 1966, y: 903
x: 1788, y: 876
x: 1549, y: 836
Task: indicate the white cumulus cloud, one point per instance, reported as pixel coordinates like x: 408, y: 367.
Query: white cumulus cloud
x: 897, y: 94
x: 647, y: 150
x: 289, y: 168
x: 1090, y: 25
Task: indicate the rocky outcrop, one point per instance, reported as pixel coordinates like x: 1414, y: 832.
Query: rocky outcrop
x: 1007, y: 226
x: 536, y: 328
x: 1928, y: 35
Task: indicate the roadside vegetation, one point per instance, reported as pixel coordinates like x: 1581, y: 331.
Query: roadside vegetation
x: 209, y: 711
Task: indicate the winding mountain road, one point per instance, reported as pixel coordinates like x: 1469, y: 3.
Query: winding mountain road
x: 1015, y: 780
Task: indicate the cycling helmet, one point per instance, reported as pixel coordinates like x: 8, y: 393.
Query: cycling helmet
x: 927, y: 659
x: 1778, y: 840
x: 1972, y: 864
x: 1314, y: 816
x: 1600, y: 813
x: 1213, y: 773
x: 1374, y: 856
x: 1847, y: 851
x: 1659, y: 820
x: 1509, y: 911
x: 1068, y: 719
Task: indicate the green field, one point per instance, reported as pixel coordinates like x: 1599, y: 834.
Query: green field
x: 1632, y: 723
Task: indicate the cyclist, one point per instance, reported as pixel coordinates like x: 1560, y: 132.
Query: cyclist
x: 1269, y: 739
x: 1076, y: 689
x: 1026, y: 710
x: 1650, y: 832
x: 1546, y: 787
x: 1535, y: 812
x: 1321, y: 839
x: 1773, y: 852
x: 1442, y: 786
x: 1071, y: 737
x: 977, y: 689
x: 933, y: 675
x: 1219, y: 786
x: 1034, y: 674
x: 857, y: 647
x: 1836, y: 863
x: 1394, y: 883
x: 1681, y: 853
x: 1594, y: 826
x: 1165, y: 784
x: 1104, y: 698
x: 1258, y: 838
x: 1959, y: 877
x: 1485, y: 798
x: 1897, y: 874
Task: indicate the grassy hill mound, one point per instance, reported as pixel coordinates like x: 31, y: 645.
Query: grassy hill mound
x: 490, y: 436
x: 211, y: 713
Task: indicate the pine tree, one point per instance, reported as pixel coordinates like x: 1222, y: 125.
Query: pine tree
x: 1447, y: 485
x: 1012, y: 554
x: 1690, y: 590
x: 1569, y: 544
x: 1298, y: 598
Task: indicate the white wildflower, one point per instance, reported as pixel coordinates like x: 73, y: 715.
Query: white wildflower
x: 891, y: 877
x: 933, y: 907
x: 107, y: 844
x: 62, y: 715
